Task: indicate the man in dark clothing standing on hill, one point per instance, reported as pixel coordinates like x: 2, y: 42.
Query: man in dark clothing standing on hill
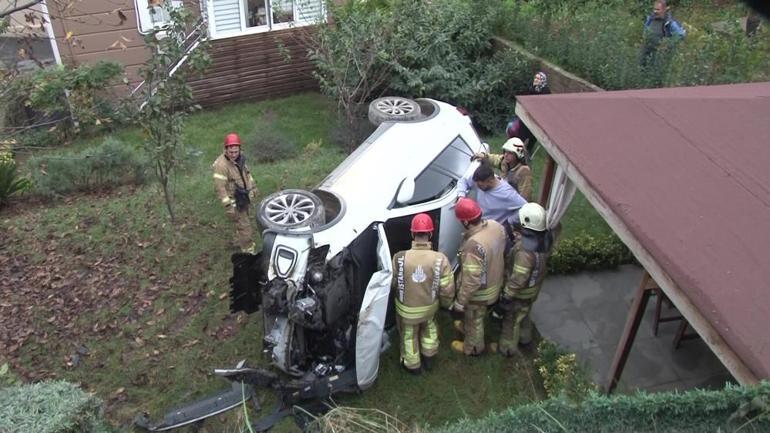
x: 659, y: 28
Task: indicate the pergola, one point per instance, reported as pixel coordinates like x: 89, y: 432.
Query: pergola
x: 682, y: 176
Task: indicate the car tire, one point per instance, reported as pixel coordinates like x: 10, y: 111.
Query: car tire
x: 291, y: 208
x: 393, y: 108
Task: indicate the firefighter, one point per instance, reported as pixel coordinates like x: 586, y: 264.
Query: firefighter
x: 481, y: 277
x: 530, y: 254
x: 236, y: 188
x: 512, y: 165
x: 422, y: 280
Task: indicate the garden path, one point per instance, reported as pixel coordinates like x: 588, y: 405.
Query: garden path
x: 586, y: 313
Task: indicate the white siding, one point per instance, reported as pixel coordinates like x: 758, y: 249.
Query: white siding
x: 309, y: 10
x: 226, y: 15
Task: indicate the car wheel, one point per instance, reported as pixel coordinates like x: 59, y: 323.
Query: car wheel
x: 291, y: 208
x: 393, y: 108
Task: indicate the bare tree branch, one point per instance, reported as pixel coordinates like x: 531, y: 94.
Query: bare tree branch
x: 29, y: 4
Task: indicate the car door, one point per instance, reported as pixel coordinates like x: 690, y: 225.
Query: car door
x: 372, y: 315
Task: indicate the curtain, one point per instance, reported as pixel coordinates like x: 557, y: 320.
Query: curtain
x: 562, y: 192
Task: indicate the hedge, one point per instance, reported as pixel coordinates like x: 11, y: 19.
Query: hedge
x: 732, y: 409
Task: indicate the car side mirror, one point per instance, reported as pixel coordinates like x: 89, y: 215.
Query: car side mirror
x: 405, y: 190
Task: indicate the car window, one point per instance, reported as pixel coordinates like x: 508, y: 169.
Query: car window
x: 442, y: 174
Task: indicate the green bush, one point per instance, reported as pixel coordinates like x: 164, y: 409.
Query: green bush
x: 10, y: 181
x: 50, y: 407
x: 40, y: 98
x: 410, y: 48
x: 562, y: 375
x: 566, y: 33
x: 730, y: 410
x: 110, y: 164
x: 584, y: 252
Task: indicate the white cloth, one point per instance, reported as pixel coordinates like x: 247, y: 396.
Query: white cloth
x: 562, y: 192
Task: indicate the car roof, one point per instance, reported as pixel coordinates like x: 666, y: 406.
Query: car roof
x: 368, y: 179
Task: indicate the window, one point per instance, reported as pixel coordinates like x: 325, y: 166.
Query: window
x: 153, y: 14
x: 237, y: 17
x: 442, y: 174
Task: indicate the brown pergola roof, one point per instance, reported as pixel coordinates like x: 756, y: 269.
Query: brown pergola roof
x: 683, y: 176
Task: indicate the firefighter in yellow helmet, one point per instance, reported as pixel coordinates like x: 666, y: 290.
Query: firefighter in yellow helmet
x: 422, y: 280
x: 512, y: 165
x: 481, y: 278
x: 236, y: 189
x: 530, y: 254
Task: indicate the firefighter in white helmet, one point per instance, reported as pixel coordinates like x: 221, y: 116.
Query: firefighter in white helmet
x: 512, y: 165
x: 528, y: 269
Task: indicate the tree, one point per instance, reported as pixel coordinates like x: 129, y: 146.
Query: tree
x: 168, y: 99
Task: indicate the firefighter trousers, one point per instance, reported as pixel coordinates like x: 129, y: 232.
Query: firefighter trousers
x: 417, y: 339
x: 473, y: 327
x: 243, y: 238
x: 516, y: 327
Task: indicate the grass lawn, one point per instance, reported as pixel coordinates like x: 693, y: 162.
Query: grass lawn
x: 113, y: 296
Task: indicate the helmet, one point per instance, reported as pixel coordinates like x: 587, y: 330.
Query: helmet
x: 532, y: 216
x: 515, y: 146
x: 422, y: 223
x: 467, y: 209
x: 232, y: 139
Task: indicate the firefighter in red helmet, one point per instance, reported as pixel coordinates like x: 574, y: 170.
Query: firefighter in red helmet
x: 422, y: 280
x: 236, y: 189
x: 481, y: 277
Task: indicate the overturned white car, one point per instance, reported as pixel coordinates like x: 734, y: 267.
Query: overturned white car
x: 323, y: 277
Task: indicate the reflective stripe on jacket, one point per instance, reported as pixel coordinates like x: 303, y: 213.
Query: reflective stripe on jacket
x: 528, y: 273
x: 483, y: 264
x: 421, y: 279
x: 518, y: 175
x: 227, y: 176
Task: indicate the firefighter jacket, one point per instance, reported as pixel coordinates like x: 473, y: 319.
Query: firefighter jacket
x: 229, y: 174
x: 528, y: 273
x: 517, y: 174
x: 483, y: 264
x: 421, y: 278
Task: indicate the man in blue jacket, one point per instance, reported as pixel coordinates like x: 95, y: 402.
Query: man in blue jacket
x: 659, y: 27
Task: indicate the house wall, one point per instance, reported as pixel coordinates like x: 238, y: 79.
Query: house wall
x: 256, y: 66
x: 246, y: 67
x: 97, y: 31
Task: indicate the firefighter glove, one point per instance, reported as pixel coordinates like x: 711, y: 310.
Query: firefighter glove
x: 479, y: 156
x: 456, y: 306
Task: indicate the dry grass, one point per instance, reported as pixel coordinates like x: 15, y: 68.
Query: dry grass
x: 354, y: 420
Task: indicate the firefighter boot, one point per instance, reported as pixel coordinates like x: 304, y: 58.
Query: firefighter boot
x: 525, y: 337
x: 427, y: 362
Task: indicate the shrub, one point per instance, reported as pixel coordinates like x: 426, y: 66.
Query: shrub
x: 584, y: 252
x: 110, y: 164
x: 270, y: 144
x: 694, y: 411
x: 441, y: 50
x: 50, y: 407
x: 39, y: 99
x: 561, y: 373
x: 10, y: 181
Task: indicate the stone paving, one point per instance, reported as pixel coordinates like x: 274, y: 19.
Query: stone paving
x: 586, y: 313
